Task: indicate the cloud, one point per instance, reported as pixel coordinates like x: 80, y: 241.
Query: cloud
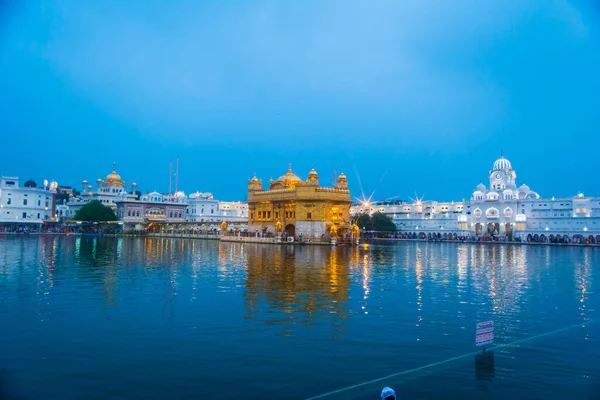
x: 188, y: 69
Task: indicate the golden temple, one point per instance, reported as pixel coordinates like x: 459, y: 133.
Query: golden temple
x: 300, y: 208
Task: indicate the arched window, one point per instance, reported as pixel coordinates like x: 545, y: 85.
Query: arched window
x: 477, y: 213
x: 492, y: 196
x: 508, y: 212
x: 492, y: 213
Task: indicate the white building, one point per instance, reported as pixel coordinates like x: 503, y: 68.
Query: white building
x: 106, y: 192
x: 27, y: 204
x: 501, y: 208
x: 202, y: 207
x: 150, y: 208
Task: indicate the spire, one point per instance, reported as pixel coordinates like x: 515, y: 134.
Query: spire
x: 501, y: 153
x: 114, y: 166
x: 290, y: 168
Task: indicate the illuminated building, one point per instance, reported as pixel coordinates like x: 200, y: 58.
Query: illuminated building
x: 299, y: 207
x: 106, y: 193
x: 27, y: 204
x: 501, y: 208
x: 204, y: 208
x: 150, y: 208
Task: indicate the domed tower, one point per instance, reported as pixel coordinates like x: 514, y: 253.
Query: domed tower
x: 313, y: 177
x: 289, y: 180
x: 342, y: 182
x: 254, y: 183
x: 113, y: 179
x: 479, y: 192
x: 99, y: 182
x: 502, y: 174
x: 84, y: 184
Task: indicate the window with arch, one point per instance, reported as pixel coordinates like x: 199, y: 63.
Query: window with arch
x: 492, y: 213
x: 477, y: 213
x: 508, y: 212
x: 492, y: 196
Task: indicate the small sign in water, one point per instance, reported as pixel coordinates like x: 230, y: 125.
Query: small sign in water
x: 484, y: 333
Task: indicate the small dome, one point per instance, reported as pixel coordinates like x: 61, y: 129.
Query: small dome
x: 480, y: 187
x: 524, y: 188
x: 99, y: 180
x: 342, y: 181
x: 511, y: 185
x: 179, y: 195
x: 502, y: 163
x: 85, y: 182
x: 313, y: 177
x: 254, y: 183
x: 30, y: 184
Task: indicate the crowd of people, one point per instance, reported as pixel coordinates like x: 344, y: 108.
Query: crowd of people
x: 25, y: 229
x: 487, y: 237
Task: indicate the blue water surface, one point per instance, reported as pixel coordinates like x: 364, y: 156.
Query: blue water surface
x: 156, y: 318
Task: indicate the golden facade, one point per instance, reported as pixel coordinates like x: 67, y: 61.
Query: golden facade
x: 299, y: 207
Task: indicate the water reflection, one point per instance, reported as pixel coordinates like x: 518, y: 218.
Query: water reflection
x: 362, y: 312
x: 305, y: 284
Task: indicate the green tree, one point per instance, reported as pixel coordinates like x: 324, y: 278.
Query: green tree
x: 138, y: 194
x: 94, y: 211
x: 375, y: 222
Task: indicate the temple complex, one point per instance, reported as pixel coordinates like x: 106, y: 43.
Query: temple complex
x: 300, y: 208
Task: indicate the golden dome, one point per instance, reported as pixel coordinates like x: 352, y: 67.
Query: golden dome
x: 342, y: 181
x: 313, y: 177
x: 255, y: 183
x: 287, y: 180
x: 113, y: 179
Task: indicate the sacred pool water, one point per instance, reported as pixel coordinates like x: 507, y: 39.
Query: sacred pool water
x: 144, y: 318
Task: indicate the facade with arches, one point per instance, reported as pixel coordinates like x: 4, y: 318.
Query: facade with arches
x: 500, y: 208
x: 152, y: 207
x: 299, y: 208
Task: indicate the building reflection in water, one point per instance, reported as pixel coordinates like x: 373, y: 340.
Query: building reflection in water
x: 297, y: 285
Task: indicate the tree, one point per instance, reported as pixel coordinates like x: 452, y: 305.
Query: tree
x: 138, y: 194
x: 375, y: 222
x: 94, y: 211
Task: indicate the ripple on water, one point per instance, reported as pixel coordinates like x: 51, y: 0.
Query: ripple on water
x: 169, y: 318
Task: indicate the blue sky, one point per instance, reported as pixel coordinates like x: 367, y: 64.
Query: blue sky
x: 405, y: 96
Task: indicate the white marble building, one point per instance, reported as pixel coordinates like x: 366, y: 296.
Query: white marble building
x: 106, y: 192
x: 501, y: 208
x: 27, y: 204
x: 203, y: 207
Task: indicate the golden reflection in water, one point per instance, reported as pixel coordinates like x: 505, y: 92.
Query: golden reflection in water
x: 419, y: 287
x: 303, y: 283
x: 366, y: 276
x: 583, y: 271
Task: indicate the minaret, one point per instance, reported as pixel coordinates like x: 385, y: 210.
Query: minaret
x: 177, y: 175
x: 170, y: 176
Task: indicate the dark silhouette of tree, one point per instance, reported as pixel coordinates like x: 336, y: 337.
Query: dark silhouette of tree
x: 94, y: 211
x: 375, y: 222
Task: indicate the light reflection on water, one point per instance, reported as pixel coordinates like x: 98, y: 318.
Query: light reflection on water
x: 170, y: 318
